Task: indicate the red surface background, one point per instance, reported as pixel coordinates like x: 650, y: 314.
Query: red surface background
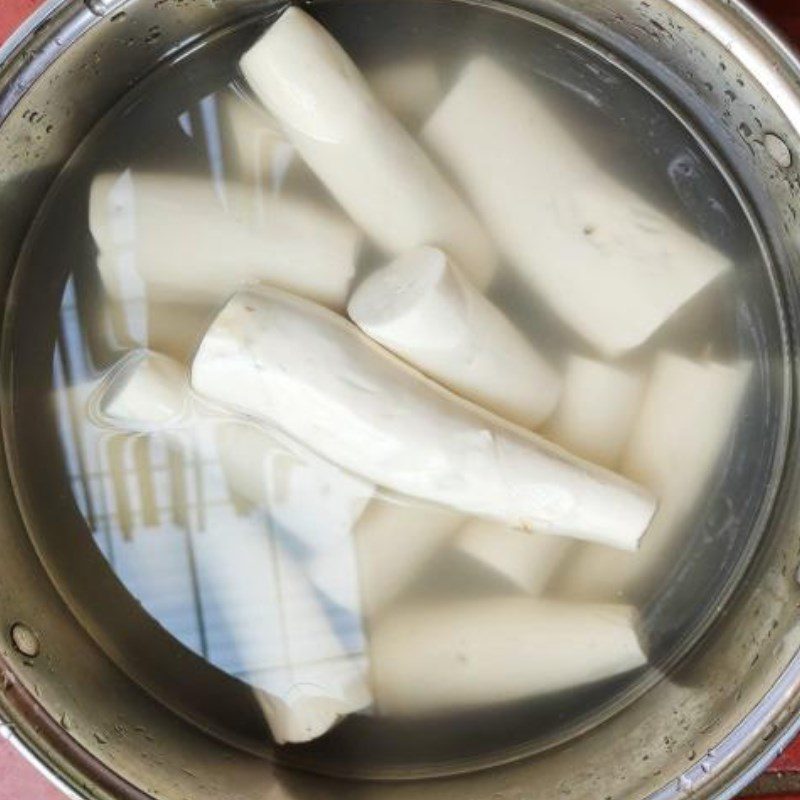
x: 20, y: 781
x: 11, y: 12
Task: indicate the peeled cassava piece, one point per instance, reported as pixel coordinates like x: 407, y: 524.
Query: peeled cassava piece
x: 172, y: 235
x: 147, y: 390
x: 678, y: 438
x: 596, y: 411
x: 526, y: 560
x: 370, y: 164
x: 478, y: 652
x: 313, y: 374
x: 423, y: 309
x: 314, y: 681
x: 409, y: 89
x: 252, y: 140
x: 613, y: 266
x: 173, y: 328
x: 123, y: 460
x: 312, y: 504
x: 319, y: 679
x: 394, y: 543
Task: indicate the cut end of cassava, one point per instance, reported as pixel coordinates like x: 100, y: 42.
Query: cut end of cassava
x: 390, y: 294
x: 617, y: 514
x: 303, y: 719
x: 309, y: 709
x: 623, y: 523
x: 148, y: 391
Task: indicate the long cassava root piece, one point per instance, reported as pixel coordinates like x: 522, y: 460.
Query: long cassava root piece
x: 320, y: 681
x: 526, y: 561
x: 408, y: 89
x: 314, y: 504
x: 613, y: 266
x: 172, y: 235
x: 596, y: 411
x: 394, y: 543
x: 249, y: 138
x: 313, y: 374
x: 423, y: 309
x: 685, y: 422
x: 370, y: 164
x: 476, y: 652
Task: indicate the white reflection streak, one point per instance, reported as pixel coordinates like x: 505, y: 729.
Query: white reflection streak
x: 210, y: 118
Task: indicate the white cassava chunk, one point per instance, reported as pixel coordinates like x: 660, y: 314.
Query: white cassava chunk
x: 311, y: 680
x: 527, y: 560
x: 252, y: 140
x: 408, y: 89
x: 315, y: 698
x: 394, y: 542
x: 148, y: 390
x: 477, y: 652
x: 172, y: 235
x: 320, y: 668
x: 314, y: 375
x: 318, y: 678
x: 370, y: 164
x: 613, y: 266
x: 597, y: 410
x: 123, y: 321
x: 423, y: 309
x: 313, y: 503
x: 299, y: 715
x: 174, y: 328
x: 679, y: 437
x: 123, y: 460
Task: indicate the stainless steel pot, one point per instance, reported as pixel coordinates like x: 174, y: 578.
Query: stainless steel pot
x: 73, y: 671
